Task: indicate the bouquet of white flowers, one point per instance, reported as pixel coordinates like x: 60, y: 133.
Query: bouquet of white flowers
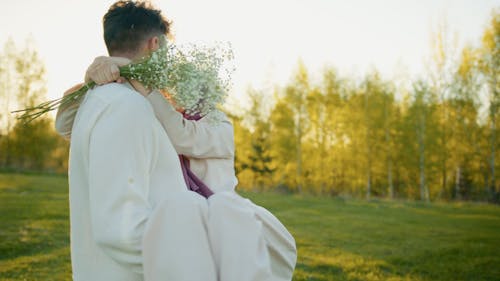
x: 196, y: 78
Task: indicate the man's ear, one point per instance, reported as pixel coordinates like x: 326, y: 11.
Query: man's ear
x: 154, y: 43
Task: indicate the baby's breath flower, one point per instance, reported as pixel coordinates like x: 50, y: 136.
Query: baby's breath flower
x: 199, y: 79
x: 196, y: 77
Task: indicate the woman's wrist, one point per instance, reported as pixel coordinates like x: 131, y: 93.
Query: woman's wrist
x: 140, y: 88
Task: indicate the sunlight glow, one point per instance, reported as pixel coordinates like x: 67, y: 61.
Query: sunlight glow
x: 268, y: 37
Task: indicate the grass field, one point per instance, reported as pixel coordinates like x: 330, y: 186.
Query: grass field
x: 336, y: 239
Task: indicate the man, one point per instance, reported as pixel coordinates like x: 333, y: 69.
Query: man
x: 132, y: 216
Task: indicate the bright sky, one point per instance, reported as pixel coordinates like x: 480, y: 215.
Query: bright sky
x: 268, y: 36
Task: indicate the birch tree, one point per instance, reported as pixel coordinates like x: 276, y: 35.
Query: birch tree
x: 490, y: 69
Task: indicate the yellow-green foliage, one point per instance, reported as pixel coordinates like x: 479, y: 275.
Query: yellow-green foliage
x: 433, y: 138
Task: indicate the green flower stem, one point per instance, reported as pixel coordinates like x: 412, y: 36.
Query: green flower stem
x: 31, y: 113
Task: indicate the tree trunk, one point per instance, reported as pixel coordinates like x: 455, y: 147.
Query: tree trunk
x: 368, y: 150
x: 299, y: 154
x: 7, y: 98
x: 368, y: 183
x: 492, y: 153
x: 444, y: 156
x: 424, y: 193
x: 493, y: 113
x: 389, y: 179
x: 8, y: 145
x: 322, y: 164
x: 388, y: 149
x: 494, y: 102
x: 422, y: 169
x: 457, y: 183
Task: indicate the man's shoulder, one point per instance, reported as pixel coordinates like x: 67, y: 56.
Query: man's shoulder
x: 114, y: 93
x: 119, y: 96
x: 115, y: 103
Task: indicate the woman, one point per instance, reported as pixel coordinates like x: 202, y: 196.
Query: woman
x: 248, y: 242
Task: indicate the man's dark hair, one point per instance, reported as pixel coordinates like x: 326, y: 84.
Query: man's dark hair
x: 128, y: 23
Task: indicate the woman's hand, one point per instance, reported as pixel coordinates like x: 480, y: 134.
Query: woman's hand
x: 106, y: 70
x: 140, y: 88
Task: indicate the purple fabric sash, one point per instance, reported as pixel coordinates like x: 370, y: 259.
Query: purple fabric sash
x: 192, y: 181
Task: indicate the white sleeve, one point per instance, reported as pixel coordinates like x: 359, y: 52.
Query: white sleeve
x: 122, y: 153
x: 193, y: 138
x: 65, y: 117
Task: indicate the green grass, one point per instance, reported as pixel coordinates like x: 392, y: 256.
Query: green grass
x: 34, y: 228
x: 337, y: 239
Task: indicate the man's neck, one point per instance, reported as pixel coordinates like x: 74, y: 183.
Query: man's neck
x: 133, y: 56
